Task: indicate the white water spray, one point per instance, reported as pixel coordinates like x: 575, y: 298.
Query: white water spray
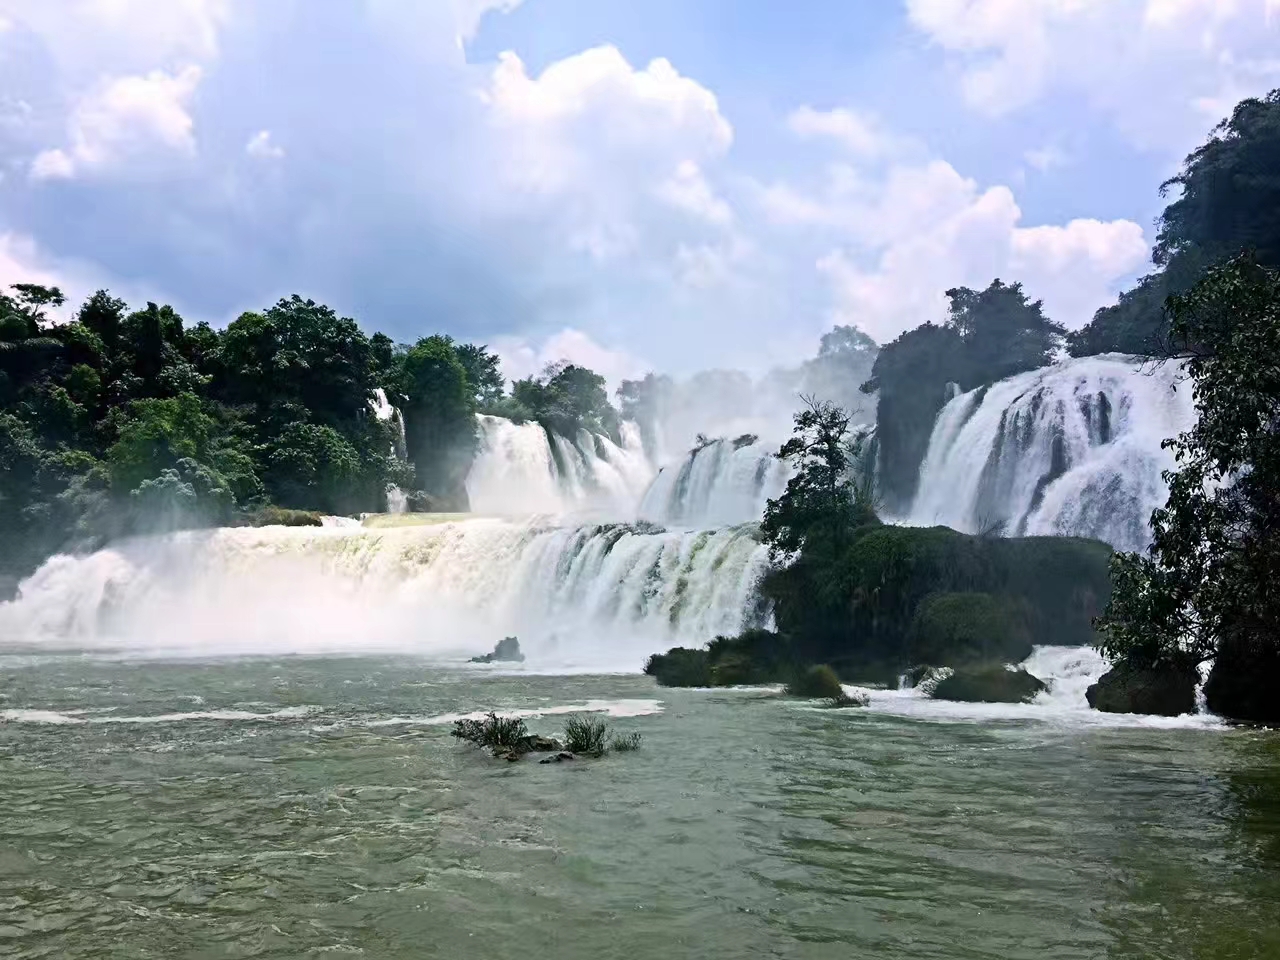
x: 593, y: 596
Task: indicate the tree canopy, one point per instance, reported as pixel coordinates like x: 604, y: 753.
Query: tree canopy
x: 119, y: 421
x: 1208, y: 581
x: 1227, y: 203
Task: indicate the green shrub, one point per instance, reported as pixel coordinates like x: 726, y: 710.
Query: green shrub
x: 586, y: 735
x: 501, y: 734
x: 625, y: 742
x: 280, y: 517
x: 989, y: 683
x: 956, y: 628
x: 817, y: 683
x: 680, y: 667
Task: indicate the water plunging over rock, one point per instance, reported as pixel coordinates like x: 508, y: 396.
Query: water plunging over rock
x: 1073, y: 449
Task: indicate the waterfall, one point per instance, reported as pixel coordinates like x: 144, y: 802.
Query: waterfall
x: 603, y: 596
x: 520, y: 469
x: 1073, y: 449
x: 721, y: 482
x: 397, y: 499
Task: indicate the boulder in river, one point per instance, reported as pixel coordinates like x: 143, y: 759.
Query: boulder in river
x: 560, y: 757
x: 988, y: 683
x: 507, y: 651
x: 1165, y: 690
x: 1245, y: 679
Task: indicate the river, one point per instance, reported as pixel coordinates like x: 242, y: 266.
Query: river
x: 311, y: 806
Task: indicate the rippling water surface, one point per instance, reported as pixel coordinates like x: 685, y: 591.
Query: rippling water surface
x: 305, y: 807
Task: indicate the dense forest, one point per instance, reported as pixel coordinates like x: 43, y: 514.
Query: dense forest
x: 121, y: 422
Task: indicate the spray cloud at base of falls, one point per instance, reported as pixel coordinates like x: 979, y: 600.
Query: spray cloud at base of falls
x: 1073, y: 449
x: 591, y: 596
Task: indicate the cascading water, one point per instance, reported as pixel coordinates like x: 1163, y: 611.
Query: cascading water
x: 588, y: 596
x: 397, y: 499
x: 520, y: 470
x: 1073, y: 449
x: 721, y: 482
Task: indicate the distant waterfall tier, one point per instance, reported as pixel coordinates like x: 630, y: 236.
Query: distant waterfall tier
x: 397, y: 499
x: 594, y: 596
x: 521, y: 469
x: 721, y: 482
x: 1073, y: 449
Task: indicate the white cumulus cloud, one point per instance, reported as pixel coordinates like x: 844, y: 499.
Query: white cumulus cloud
x: 262, y: 147
x: 1157, y: 68
x: 125, y: 119
x: 924, y: 229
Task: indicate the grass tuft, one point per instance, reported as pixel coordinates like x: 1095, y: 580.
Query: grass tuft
x: 586, y: 735
x: 625, y: 742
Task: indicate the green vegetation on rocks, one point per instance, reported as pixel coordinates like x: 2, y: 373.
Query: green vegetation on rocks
x: 1163, y: 689
x: 988, y: 683
x: 586, y: 735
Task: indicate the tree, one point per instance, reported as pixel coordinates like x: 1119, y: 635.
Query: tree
x: 845, y: 340
x: 810, y: 527
x: 1228, y: 203
x: 153, y: 435
x: 298, y: 360
x: 567, y: 399
x: 484, y: 374
x: 1207, y: 587
x: 817, y: 507
x: 1002, y: 331
x: 26, y: 349
x: 440, y: 415
x: 1230, y: 192
x: 313, y: 466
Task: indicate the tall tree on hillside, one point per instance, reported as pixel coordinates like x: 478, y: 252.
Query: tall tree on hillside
x: 1229, y: 192
x: 1002, y: 332
x: 484, y: 374
x: 297, y: 362
x: 440, y: 413
x: 1228, y: 203
x: 1207, y: 587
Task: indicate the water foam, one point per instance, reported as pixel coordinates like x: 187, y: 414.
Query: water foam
x: 1068, y: 672
x: 76, y: 717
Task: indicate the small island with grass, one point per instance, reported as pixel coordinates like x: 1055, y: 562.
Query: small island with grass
x: 508, y: 738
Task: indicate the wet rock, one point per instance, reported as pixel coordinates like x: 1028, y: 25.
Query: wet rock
x: 545, y: 745
x: 560, y: 757
x: 507, y: 651
x: 992, y: 683
x: 1164, y: 690
x: 1245, y: 679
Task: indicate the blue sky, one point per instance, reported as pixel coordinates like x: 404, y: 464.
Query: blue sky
x: 674, y: 184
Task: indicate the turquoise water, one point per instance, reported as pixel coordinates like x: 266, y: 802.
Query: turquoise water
x: 308, y: 807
